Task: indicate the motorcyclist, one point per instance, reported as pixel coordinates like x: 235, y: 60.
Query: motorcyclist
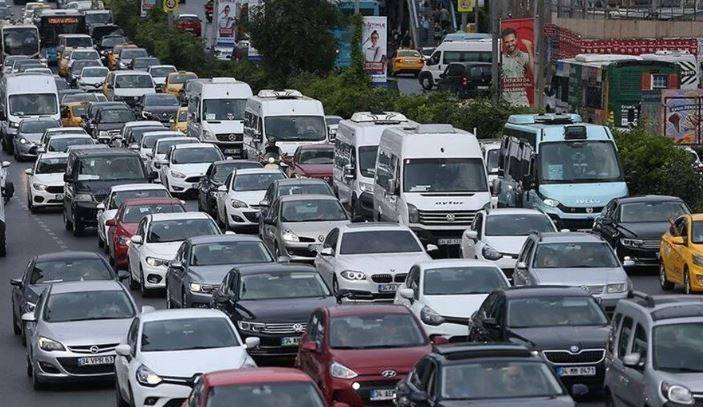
x: 272, y: 154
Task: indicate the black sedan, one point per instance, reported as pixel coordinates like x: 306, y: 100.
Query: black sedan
x: 216, y: 176
x: 159, y: 106
x: 272, y: 302
x: 634, y: 226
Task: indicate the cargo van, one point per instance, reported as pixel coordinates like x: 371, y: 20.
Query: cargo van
x: 431, y: 178
x: 355, y: 149
x: 480, y: 50
x: 216, y: 112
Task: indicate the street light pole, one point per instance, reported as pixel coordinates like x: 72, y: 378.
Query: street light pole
x: 495, y: 6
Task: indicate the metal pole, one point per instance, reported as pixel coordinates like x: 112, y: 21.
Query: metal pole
x: 476, y: 15
x: 215, y: 23
x: 356, y: 7
x: 464, y: 21
x: 495, y: 30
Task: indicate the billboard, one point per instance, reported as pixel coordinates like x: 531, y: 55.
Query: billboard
x: 517, y: 61
x: 374, y: 45
x: 147, y: 6
x: 682, y: 112
x: 226, y: 12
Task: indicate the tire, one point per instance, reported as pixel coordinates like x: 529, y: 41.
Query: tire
x: 169, y: 303
x: 142, y: 287
x: 609, y: 399
x: 16, y: 328
x: 66, y: 223
x: 3, y: 244
x: 687, y: 283
x: 29, y: 370
x: 37, y: 384
x: 30, y: 204
x: 133, y: 284
x: 335, y: 285
x: 666, y: 285
x: 184, y: 302
x: 77, y: 228
x: 101, y: 242
x: 118, y: 396
x: 426, y: 81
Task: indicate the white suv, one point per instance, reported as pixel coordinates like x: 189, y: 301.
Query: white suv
x: 45, y: 181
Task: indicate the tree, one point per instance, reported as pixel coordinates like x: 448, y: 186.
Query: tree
x: 294, y: 36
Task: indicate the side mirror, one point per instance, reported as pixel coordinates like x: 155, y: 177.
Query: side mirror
x: 632, y: 360
x: 327, y: 251
x: 439, y: 340
x: 123, y: 275
x: 471, y: 234
x: 28, y: 317
x: 147, y: 308
x: 490, y: 323
x: 628, y: 262
x: 100, y: 206
x: 67, y: 178
x: 349, y: 171
x: 310, y: 346
x: 678, y: 240
x: 521, y: 266
x: 264, y: 203
x: 111, y: 222
x: 176, y: 265
x: 283, y: 259
x: 407, y: 293
x: 133, y: 147
x: 41, y: 150
x: 5, y: 164
x: 28, y: 171
x: 392, y: 185
x: 16, y: 282
x: 123, y: 350
x: 418, y: 396
x: 153, y: 175
x: 442, y: 75
x: 252, y: 342
x: 136, y: 239
x: 269, y: 220
x: 606, y: 221
x: 222, y: 188
x: 432, y: 248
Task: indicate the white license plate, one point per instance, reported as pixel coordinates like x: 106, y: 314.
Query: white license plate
x: 232, y: 151
x: 449, y: 242
x: 388, y: 288
x: 382, y: 394
x: 58, y: 197
x: 482, y: 87
x: 290, y: 341
x: 96, y: 360
x: 577, y: 371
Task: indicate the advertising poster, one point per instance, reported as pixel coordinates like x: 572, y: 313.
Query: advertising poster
x: 374, y: 44
x: 147, y: 6
x: 465, y: 6
x: 226, y: 12
x: 517, y: 61
x: 682, y: 115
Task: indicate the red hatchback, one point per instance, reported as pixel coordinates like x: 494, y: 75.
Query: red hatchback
x: 312, y: 161
x: 190, y: 23
x: 263, y: 387
x: 124, y: 224
x: 359, y: 352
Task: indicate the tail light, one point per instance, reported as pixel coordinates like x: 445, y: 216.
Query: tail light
x: 464, y: 81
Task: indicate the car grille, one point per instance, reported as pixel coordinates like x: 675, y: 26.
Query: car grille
x: 194, y: 179
x: 449, y: 218
x: 209, y: 288
x: 594, y: 289
x: 71, y: 366
x: 252, y: 216
x: 388, y: 278
x: 569, y: 209
x: 565, y: 357
x: 174, y: 403
x: 304, y: 239
x: 110, y: 347
x: 284, y: 328
x: 55, y: 190
x: 301, y: 252
x: 651, y: 244
x: 229, y: 137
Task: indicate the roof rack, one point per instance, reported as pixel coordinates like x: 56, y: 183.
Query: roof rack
x: 646, y: 298
x: 435, y: 129
x: 378, y: 117
x: 548, y: 118
x: 279, y: 93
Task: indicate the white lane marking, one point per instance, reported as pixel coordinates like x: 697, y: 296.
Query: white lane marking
x: 45, y: 228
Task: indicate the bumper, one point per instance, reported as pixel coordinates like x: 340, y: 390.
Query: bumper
x: 165, y: 394
x: 86, y: 213
x: 342, y: 390
x: 594, y: 383
x: 61, y: 367
x: 44, y: 198
x: 400, y: 67
x: 154, y: 277
x: 365, y: 290
x: 641, y: 257
x: 26, y: 150
x: 300, y: 251
x: 270, y: 346
x: 199, y: 300
x: 180, y: 186
x: 455, y: 333
x: 234, y: 150
x: 242, y: 217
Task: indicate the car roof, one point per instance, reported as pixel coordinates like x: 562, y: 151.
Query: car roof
x: 82, y: 286
x: 664, y: 307
x: 151, y: 201
x: 325, y: 146
x: 432, y: 264
x: 568, y: 237
x: 143, y: 123
x: 53, y: 154
x: 366, y: 309
x: 256, y: 375
x: 193, y: 145
x: 105, y: 152
x: 75, y: 130
x: 513, y: 211
x: 233, y: 162
x: 164, y: 132
x: 38, y: 119
x: 70, y: 135
x: 137, y: 187
x: 648, y: 198
x: 269, y: 268
x: 462, y: 352
x: 70, y: 254
x: 372, y: 226
x: 175, y: 138
x: 183, y: 313
x: 304, y: 197
x: 244, y: 171
x: 545, y: 291
x: 299, y: 181
x: 205, y: 239
x: 175, y: 216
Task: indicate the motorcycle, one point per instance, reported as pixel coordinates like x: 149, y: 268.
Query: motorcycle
x: 271, y: 157
x: 208, y: 11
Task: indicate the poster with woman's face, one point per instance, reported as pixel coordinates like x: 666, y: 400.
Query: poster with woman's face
x: 374, y: 46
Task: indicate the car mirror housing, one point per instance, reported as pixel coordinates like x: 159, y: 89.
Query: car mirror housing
x: 327, y: 251
x: 678, y: 240
x: 407, y: 293
x: 123, y: 350
x: 632, y: 359
x: 222, y: 188
x: 100, y: 206
x: 111, y: 222
x: 432, y: 248
x: 472, y: 234
x: 28, y: 317
x: 136, y: 239
x: 310, y: 346
x: 252, y: 342
x: 521, y: 265
x: 176, y: 265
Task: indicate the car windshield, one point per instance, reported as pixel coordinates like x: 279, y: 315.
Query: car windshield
x: 463, y: 280
x: 492, y: 165
x: 517, y: 224
x: 177, y: 230
x: 367, y: 160
x: 162, y: 147
x: 116, y: 116
x: 78, y: 55
x: 578, y: 162
x: 575, y: 255
x: 133, y: 214
x: 5, y: 12
x: 697, y: 232
x: 651, y: 211
x: 305, y: 188
x: 187, y: 334
x: 107, y: 168
x: 34, y: 104
x: 57, y: 271
x: 61, y: 144
x: 499, y: 380
x: 78, y: 97
x: 194, y: 155
x: 79, y: 65
x: 79, y: 42
x: 677, y: 347
x: 117, y: 198
x: 137, y: 134
x: 219, y: 253
x: 97, y: 18
x: 318, y: 210
x: 94, y: 72
x: 295, y: 128
x: 555, y: 311
x: 375, y: 331
x: 444, y: 175
x: 265, y: 394
x: 282, y: 285
x: 161, y: 72
x: 224, y: 109
x: 131, y: 53
x: 51, y: 165
x: 316, y: 156
x: 180, y: 78
x: 379, y: 241
x: 110, y: 42
x: 221, y: 171
x: 332, y: 120
x: 134, y: 81
x: 88, y: 306
x: 37, y: 126
x: 145, y: 62
x: 255, y: 182
x: 161, y: 100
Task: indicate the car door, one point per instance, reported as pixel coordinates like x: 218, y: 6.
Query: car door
x: 680, y: 251
x: 666, y: 248
x: 604, y: 226
x: 634, y: 375
x: 620, y: 386
x: 221, y: 198
x: 204, y: 188
x: 444, y: 83
x: 477, y: 329
x: 174, y: 276
x: 19, y: 293
x: 326, y: 264
x: 309, y: 361
x: 270, y: 227
x: 122, y: 362
x: 474, y: 246
x: 133, y: 249
x: 520, y: 276
x: 413, y: 281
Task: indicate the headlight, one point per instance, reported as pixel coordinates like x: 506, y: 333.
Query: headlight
x: 122, y: 65
x: 83, y: 198
x: 697, y: 259
x: 155, y: 262
x: 631, y: 242
x: 103, y: 133
x: 677, y: 394
x: 551, y: 202
x: 49, y: 345
x: 430, y: 316
x: 250, y: 326
x: 340, y: 371
x: 39, y: 186
x: 413, y: 214
x: 238, y: 204
x: 289, y: 236
x: 15, y: 125
x: 196, y: 287
x: 23, y: 140
x: 176, y: 174
x: 208, y: 135
x: 28, y: 307
x: 616, y: 288
x: 147, y: 377
x: 368, y: 188
x: 490, y: 253
x: 353, y: 275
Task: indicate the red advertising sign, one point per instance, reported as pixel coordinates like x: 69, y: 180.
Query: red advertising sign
x: 517, y: 61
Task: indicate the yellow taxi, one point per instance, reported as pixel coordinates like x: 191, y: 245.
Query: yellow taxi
x: 176, y: 80
x: 72, y: 114
x: 681, y: 254
x: 406, y: 60
x: 113, y: 58
x: 180, y: 122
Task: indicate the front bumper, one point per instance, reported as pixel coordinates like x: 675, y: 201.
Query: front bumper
x: 301, y: 251
x: 198, y: 299
x: 164, y: 395
x: 43, y: 197
x: 454, y: 332
x: 63, y: 366
x: 26, y: 150
x: 86, y: 213
x: 343, y: 391
x: 242, y: 217
x: 641, y: 256
x: 180, y: 185
x: 234, y: 150
x: 271, y: 345
x: 368, y: 290
x: 154, y: 277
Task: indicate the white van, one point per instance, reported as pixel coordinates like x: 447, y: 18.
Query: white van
x: 431, y: 178
x: 454, y: 51
x: 285, y: 116
x: 216, y: 112
x: 355, y: 149
x: 129, y: 86
x: 25, y: 95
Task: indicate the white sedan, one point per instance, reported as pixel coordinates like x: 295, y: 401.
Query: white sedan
x: 158, y: 153
x: 185, y: 164
x: 239, y: 197
x: 156, y: 242
x: 45, y: 181
x: 181, y: 344
x: 118, y: 194
x: 443, y: 294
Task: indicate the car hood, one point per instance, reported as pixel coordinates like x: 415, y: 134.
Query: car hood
x: 92, y: 80
x: 250, y: 197
x: 460, y: 306
x: 374, y: 361
x: 562, y: 401
x: 319, y: 170
x: 50, y: 179
x: 644, y: 230
x: 100, y: 189
x: 109, y: 126
x: 693, y: 381
x: 506, y: 244
x: 209, y: 274
x: 439, y: 202
x: 579, y: 276
x: 33, y: 137
x: 191, y: 170
x: 313, y: 230
x: 131, y: 92
x: 381, y: 263
x: 96, y: 332
x: 283, y: 310
x: 187, y: 363
x: 572, y: 195
x: 224, y: 126
x: 161, y: 109
x: 564, y: 337
x: 159, y: 81
x: 165, y: 251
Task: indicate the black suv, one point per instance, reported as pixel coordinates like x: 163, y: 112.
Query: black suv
x: 108, y: 122
x: 634, y: 226
x: 481, y: 375
x: 566, y: 324
x: 89, y: 176
x: 215, y: 176
x: 158, y: 106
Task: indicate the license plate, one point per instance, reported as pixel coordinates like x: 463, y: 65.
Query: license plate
x: 96, y: 360
x: 388, y: 288
x: 449, y: 242
x: 290, y: 341
x: 577, y: 371
x: 58, y: 197
x: 232, y: 151
x: 382, y: 394
x: 482, y: 87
